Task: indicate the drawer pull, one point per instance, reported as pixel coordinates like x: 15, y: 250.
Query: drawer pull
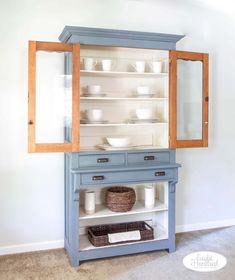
x: 101, y: 160
x: 149, y: 158
x: 160, y: 173
x: 98, y: 178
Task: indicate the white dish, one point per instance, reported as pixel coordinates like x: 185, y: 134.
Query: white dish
x: 94, y: 89
x: 86, y: 121
x: 144, y: 114
x: 107, y: 64
x: 149, y: 95
x: 107, y: 147
x: 93, y: 95
x: 143, y: 121
x: 119, y: 142
x: 142, y: 90
x: 89, y: 63
x: 156, y: 66
x: 94, y: 114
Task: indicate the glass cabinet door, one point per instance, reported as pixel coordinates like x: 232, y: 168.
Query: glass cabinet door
x: 188, y: 99
x: 54, y: 96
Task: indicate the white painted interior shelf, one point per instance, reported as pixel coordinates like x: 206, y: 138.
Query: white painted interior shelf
x: 102, y: 211
x: 159, y: 234
x: 119, y: 97
x: 140, y: 147
x: 121, y: 74
x: 125, y: 98
x: 122, y: 124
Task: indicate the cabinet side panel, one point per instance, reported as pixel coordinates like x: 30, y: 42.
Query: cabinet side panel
x: 71, y: 214
x: 171, y: 217
x: 66, y: 195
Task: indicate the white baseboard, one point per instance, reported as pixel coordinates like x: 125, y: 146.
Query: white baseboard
x: 56, y: 244
x: 31, y: 247
x: 202, y: 226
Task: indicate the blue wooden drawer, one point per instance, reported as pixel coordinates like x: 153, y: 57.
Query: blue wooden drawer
x: 102, y: 160
x: 122, y: 177
x: 150, y: 158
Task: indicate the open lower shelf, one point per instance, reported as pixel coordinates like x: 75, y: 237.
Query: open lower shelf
x: 102, y: 211
x: 121, y: 74
x: 159, y: 234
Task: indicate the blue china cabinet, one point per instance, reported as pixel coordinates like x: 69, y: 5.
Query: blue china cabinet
x: 99, y: 84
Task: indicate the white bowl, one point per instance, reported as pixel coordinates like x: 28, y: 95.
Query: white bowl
x: 94, y: 114
x: 144, y: 114
x: 143, y: 90
x: 94, y: 89
x: 119, y: 142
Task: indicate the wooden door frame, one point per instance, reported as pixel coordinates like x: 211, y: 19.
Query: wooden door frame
x: 74, y: 146
x: 203, y: 57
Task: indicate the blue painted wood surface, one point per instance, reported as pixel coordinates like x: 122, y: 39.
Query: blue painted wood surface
x: 119, y: 38
x: 122, y: 166
x: 76, y: 177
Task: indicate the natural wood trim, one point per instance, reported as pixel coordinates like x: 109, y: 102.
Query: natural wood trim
x: 76, y: 98
x: 205, y: 115
x: 74, y: 146
x: 189, y: 143
x: 52, y: 147
x: 31, y: 95
x: 173, y: 142
x: 53, y: 47
x: 189, y: 55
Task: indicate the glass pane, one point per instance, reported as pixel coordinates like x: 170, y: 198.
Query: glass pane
x: 53, y: 98
x: 189, y: 100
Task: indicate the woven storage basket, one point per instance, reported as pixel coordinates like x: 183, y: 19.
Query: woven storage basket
x: 120, y: 198
x: 98, y: 235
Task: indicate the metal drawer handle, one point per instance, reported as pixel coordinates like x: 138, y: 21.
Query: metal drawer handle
x: 160, y: 173
x: 98, y: 178
x: 101, y: 160
x: 149, y: 158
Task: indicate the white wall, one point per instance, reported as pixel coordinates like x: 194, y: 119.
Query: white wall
x: 31, y: 190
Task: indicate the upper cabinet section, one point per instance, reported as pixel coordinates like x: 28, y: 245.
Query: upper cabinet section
x: 101, y: 85
x: 124, y: 98
x: 188, y: 99
x: 53, y: 99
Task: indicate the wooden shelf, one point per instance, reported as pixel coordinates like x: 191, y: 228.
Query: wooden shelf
x: 159, y: 234
x: 122, y: 74
x: 102, y: 211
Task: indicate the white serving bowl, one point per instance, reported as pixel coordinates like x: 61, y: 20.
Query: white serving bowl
x: 143, y: 90
x: 94, y: 114
x: 119, y: 142
x: 144, y: 114
x: 94, y: 89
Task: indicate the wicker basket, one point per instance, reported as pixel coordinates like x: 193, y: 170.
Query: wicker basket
x: 120, y: 198
x: 98, y: 235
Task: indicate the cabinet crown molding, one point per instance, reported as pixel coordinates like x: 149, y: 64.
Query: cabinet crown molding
x: 121, y: 38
